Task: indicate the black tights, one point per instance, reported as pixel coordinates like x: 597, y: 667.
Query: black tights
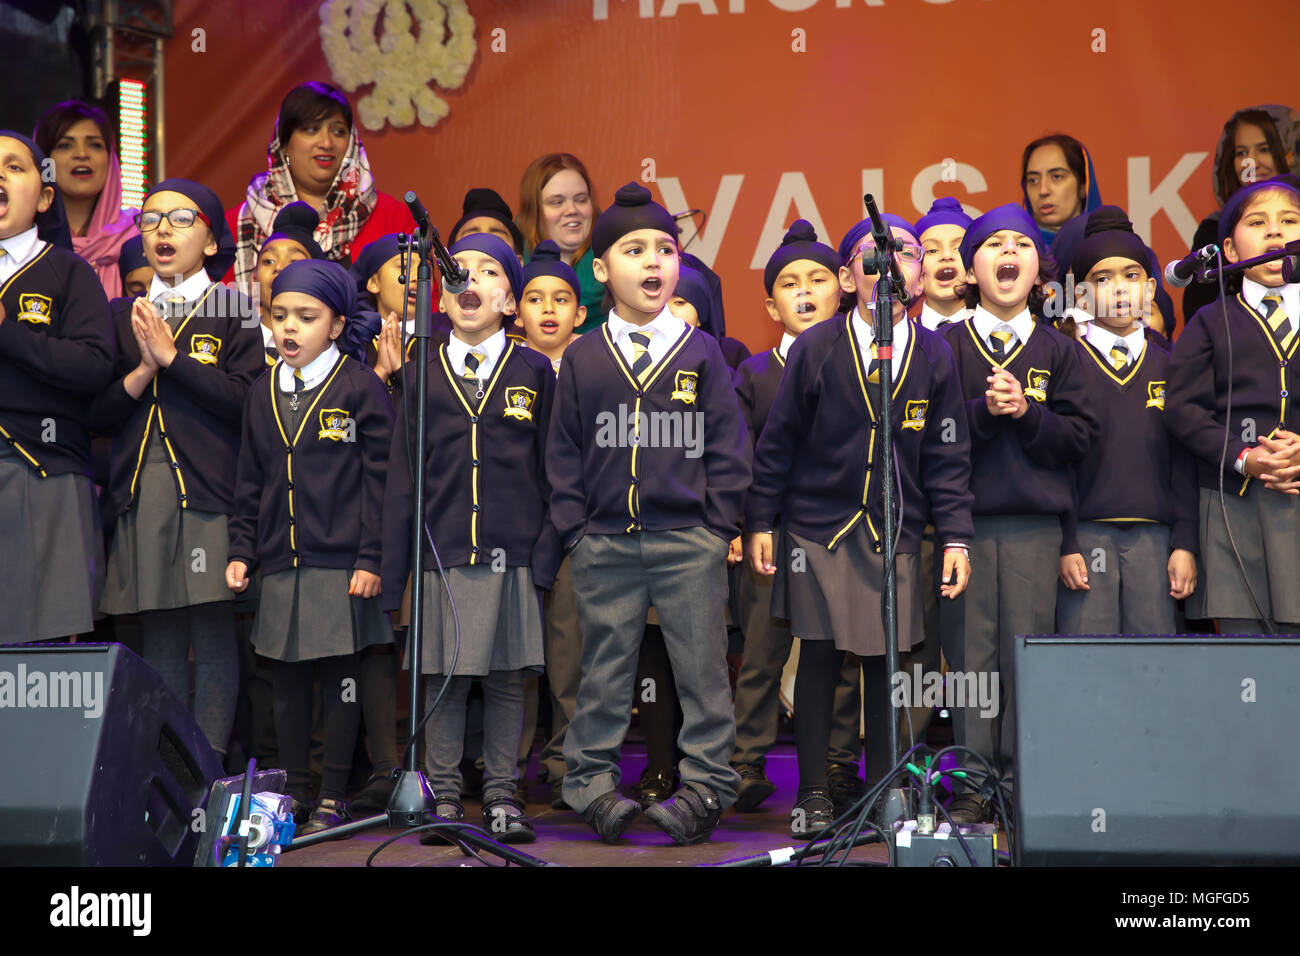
x: 814, y: 697
x: 661, y: 718
x: 293, y: 719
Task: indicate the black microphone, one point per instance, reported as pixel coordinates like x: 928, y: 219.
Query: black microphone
x: 454, y: 278
x: 885, y: 240
x: 417, y: 211
x: 1182, y: 271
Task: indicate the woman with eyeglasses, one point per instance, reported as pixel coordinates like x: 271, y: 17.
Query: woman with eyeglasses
x: 188, y: 349
x: 315, y: 156
x: 817, y: 466
x: 79, y: 139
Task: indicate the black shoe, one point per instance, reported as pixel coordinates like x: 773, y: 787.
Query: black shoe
x: 301, y: 812
x: 969, y: 808
x: 755, y: 787
x: 378, y: 790
x: 328, y: 813
x: 688, y: 816
x: 449, y: 810
x: 844, y: 786
x: 557, y: 795
x: 813, y: 812
x: 609, y: 814
x: 655, y: 786
x: 504, y: 818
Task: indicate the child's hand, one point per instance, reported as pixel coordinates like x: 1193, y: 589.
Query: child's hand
x: 1182, y: 574
x: 152, y: 331
x: 1005, y: 396
x: 1074, y: 572
x: 237, y: 576
x: 389, y: 347
x: 737, y: 552
x: 956, y: 573
x: 147, y: 363
x: 364, y: 584
x: 1280, y: 465
x: 758, y: 548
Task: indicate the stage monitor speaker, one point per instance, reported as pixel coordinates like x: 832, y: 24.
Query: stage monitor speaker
x: 102, y: 765
x: 1160, y: 750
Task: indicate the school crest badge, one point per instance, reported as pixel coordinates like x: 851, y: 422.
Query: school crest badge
x: 1156, y: 395
x: 1036, y: 388
x: 205, y: 348
x: 519, y: 403
x: 35, y: 308
x: 335, y: 424
x: 686, y: 386
x: 914, y: 414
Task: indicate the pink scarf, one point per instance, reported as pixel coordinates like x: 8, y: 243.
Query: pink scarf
x: 110, y: 226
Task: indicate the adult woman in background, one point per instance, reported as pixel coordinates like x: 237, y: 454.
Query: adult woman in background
x: 78, y: 137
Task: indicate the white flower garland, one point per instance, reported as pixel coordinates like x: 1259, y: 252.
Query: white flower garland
x: 400, y: 64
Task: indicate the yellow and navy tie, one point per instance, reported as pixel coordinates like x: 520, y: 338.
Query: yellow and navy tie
x: 1001, y: 341
x: 641, y: 360
x: 298, y: 386
x: 473, y: 359
x: 873, y: 367
x: 1279, y: 323
x: 1119, y: 355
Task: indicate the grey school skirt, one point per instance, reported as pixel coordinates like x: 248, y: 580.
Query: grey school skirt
x: 163, y: 557
x: 500, y: 621
x: 54, y: 548
x: 836, y: 594
x: 307, y: 613
x: 1266, y: 528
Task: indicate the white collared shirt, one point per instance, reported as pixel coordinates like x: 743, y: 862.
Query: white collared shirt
x: 664, y: 329
x: 19, y: 250
x: 932, y: 318
x: 866, y: 335
x: 268, y: 338
x: 783, y: 349
x: 1253, y: 292
x: 313, y: 373
x: 985, y: 322
x: 188, y: 289
x: 492, y: 347
x: 1104, y: 340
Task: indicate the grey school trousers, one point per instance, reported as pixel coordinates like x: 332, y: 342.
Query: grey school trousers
x: 616, y: 578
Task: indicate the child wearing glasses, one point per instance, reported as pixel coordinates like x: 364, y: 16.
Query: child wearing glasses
x: 817, y: 465
x: 55, y: 353
x: 187, y: 352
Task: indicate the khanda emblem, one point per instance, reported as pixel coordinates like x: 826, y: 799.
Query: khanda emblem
x: 914, y: 414
x: 686, y: 387
x: 519, y: 403
x: 1037, y: 387
x: 336, y: 425
x: 205, y: 348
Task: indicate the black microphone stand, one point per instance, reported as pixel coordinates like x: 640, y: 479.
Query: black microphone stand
x: 889, y: 287
x: 1211, y: 273
x: 413, y: 802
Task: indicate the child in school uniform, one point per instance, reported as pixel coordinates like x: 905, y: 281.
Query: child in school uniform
x: 696, y: 302
x: 817, y: 466
x: 379, y: 272
x: 486, y: 502
x: 1134, y: 523
x: 802, y: 284
x: 1030, y: 419
x: 317, y: 432
x: 1255, y: 478
x: 941, y: 230
x: 56, y: 352
x: 186, y: 357
x: 647, y: 517
x: 292, y: 238
x: 133, y: 268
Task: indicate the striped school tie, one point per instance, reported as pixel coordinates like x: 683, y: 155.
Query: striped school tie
x: 298, y: 386
x: 1119, y: 355
x: 873, y: 367
x: 1001, y: 341
x: 473, y: 359
x: 1279, y: 323
x: 641, y: 360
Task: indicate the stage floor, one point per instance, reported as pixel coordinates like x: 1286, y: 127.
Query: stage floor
x: 563, y: 836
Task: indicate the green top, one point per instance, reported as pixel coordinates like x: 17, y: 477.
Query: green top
x: 593, y: 292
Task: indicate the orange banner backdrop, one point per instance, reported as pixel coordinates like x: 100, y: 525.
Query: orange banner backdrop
x: 758, y: 111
